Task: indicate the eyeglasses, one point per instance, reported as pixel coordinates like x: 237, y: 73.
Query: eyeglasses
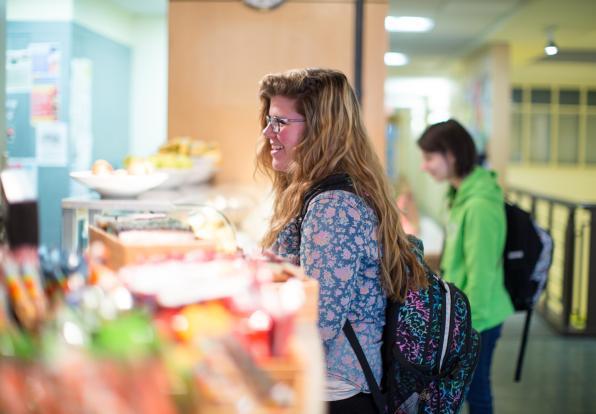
x: 277, y: 123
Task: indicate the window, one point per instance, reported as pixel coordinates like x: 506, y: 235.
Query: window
x: 516, y: 149
x: 540, y: 96
x: 549, y: 127
x: 591, y: 139
x: 516, y: 95
x: 569, y: 97
x: 568, y: 140
x: 540, y: 138
x: 591, y: 98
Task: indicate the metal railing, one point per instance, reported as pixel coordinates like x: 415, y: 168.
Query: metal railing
x: 569, y: 300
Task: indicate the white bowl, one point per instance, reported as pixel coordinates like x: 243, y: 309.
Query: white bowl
x: 119, y: 186
x: 202, y: 170
x: 176, y: 177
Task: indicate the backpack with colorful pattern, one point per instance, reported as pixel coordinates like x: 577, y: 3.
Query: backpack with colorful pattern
x: 430, y: 349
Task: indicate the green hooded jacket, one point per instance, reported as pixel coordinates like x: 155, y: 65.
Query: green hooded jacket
x: 472, y: 258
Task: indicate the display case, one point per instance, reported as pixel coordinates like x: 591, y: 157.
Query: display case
x: 233, y: 201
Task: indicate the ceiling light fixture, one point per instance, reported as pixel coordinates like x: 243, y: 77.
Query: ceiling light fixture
x: 408, y: 24
x: 396, y: 59
x: 551, y: 47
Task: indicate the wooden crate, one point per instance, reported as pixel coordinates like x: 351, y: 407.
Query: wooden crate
x: 120, y: 254
x: 289, y: 370
x: 309, y: 312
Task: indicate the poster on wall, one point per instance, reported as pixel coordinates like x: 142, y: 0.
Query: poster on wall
x: 480, y: 122
x: 44, y: 103
x: 18, y: 71
x: 45, y: 62
x: 51, y: 144
x: 45, y: 76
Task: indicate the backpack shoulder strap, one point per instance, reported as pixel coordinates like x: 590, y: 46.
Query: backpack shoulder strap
x: 341, y: 181
x: 378, y: 397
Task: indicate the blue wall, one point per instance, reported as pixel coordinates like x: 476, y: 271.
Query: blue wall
x: 112, y: 64
x: 52, y: 182
x: 110, y: 108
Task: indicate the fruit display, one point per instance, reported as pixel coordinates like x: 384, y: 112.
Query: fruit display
x: 134, y: 167
x: 191, y: 148
x: 179, y: 153
x: 186, y: 161
x: 166, y: 160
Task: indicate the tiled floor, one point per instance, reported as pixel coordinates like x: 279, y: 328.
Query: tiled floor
x: 559, y: 373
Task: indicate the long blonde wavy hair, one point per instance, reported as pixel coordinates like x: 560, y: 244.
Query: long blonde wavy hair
x: 334, y: 141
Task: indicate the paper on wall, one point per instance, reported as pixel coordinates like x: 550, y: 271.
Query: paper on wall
x: 51, y: 144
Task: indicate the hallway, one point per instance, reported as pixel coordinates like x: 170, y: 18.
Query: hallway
x: 559, y: 374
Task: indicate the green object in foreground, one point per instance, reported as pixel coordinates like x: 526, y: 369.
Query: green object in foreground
x: 14, y: 344
x: 130, y: 336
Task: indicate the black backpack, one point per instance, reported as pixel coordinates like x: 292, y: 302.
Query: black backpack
x: 429, y: 348
x: 526, y: 260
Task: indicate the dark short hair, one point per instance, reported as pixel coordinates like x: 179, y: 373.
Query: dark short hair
x: 451, y: 137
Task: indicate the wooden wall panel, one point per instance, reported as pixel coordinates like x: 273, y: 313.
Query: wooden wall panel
x: 220, y: 50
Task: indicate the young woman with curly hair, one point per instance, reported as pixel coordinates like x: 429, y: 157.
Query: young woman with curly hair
x: 350, y: 241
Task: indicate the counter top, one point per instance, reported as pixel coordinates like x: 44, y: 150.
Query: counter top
x: 161, y: 200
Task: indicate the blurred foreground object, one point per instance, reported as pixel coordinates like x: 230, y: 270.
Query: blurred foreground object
x: 20, y: 208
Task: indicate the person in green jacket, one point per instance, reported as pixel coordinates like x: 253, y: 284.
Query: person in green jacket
x: 475, y: 239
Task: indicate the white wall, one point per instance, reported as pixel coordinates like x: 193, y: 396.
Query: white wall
x: 104, y: 18
x: 483, y: 102
x: 39, y: 10
x: 147, y: 36
x: 149, y: 85
x: 416, y: 102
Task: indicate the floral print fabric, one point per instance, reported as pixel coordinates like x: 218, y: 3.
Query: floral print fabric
x: 339, y: 248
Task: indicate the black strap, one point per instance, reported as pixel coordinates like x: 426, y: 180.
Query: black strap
x: 389, y: 380
x: 340, y: 181
x: 522, y: 349
x: 368, y: 374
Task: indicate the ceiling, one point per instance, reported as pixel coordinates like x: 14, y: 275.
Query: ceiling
x: 464, y: 25
x: 461, y: 26
x: 143, y: 7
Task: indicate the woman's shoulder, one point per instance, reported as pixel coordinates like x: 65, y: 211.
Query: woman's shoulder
x: 479, y: 204
x: 341, y: 200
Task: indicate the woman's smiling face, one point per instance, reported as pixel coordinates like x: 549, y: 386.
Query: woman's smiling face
x: 289, y: 135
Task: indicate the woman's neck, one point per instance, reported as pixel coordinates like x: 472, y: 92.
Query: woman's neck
x: 457, y: 181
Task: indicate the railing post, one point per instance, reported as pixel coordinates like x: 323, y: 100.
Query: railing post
x: 568, y: 268
x: 550, y: 230
x: 591, y: 316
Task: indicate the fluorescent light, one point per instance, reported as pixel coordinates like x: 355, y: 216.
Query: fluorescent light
x: 551, y: 49
x: 408, y: 24
x: 396, y: 59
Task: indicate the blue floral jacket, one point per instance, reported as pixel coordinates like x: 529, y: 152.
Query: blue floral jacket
x: 339, y: 248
